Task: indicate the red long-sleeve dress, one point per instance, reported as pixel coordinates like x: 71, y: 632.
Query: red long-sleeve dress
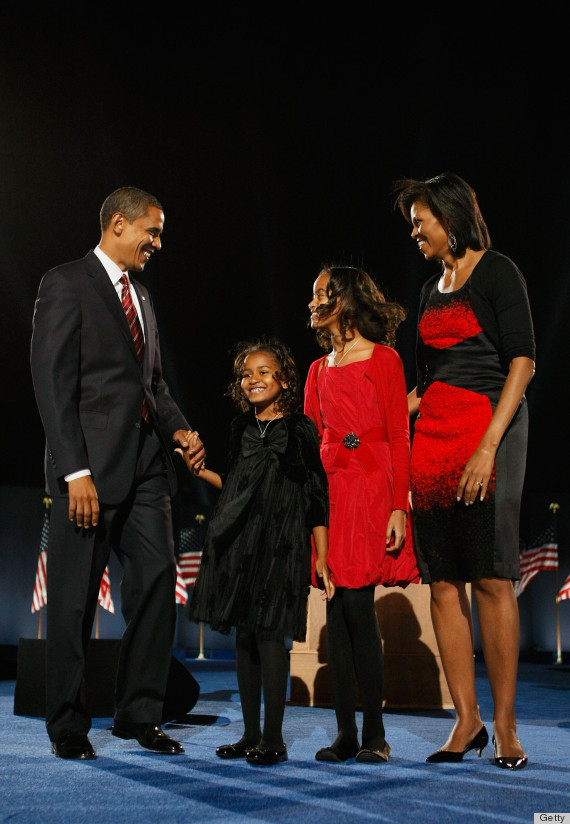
x: 366, y: 399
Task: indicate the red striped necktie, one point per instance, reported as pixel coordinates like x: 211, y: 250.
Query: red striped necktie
x: 136, y: 329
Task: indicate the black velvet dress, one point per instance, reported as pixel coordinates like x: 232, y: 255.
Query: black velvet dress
x: 256, y: 563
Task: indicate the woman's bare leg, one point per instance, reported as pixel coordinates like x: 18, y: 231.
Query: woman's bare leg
x: 453, y: 626
x: 498, y: 613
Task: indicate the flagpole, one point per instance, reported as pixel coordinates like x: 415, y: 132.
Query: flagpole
x: 201, y: 655
x: 558, y: 644
x: 200, y: 520
x: 554, y: 507
x: 40, y: 623
x: 97, y: 621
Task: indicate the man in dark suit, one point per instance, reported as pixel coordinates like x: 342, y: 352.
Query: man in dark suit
x: 111, y: 427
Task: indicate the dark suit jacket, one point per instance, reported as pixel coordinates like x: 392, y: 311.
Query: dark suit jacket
x: 89, y: 386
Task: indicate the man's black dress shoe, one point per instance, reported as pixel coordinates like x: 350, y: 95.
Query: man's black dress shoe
x: 265, y: 756
x: 149, y: 736
x: 237, y: 750
x: 73, y: 745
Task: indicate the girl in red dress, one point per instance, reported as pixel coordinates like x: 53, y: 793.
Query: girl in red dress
x: 356, y: 395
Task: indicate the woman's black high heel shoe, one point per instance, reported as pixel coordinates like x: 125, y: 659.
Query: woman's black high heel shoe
x: 509, y: 762
x: 478, y: 743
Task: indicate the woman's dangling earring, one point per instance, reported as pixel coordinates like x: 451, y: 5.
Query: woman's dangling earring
x: 452, y: 240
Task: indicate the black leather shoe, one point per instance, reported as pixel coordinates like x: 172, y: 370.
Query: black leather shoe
x: 337, y: 753
x: 74, y: 745
x: 369, y: 755
x: 237, y: 750
x: 149, y: 736
x: 479, y: 742
x: 265, y: 756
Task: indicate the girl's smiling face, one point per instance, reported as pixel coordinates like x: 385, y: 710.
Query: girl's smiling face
x: 258, y: 382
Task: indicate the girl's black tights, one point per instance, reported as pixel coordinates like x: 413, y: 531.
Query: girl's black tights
x: 355, y: 659
x: 262, y: 665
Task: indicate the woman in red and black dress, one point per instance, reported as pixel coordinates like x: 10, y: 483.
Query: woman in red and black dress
x: 475, y: 358
x: 356, y: 395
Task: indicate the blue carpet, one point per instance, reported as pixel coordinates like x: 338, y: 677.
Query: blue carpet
x: 128, y: 784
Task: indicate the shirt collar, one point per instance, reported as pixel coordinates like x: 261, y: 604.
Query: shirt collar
x: 113, y: 270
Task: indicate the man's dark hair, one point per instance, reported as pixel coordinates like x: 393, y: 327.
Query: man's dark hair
x: 130, y: 202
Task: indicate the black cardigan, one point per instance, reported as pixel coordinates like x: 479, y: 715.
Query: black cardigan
x: 499, y: 301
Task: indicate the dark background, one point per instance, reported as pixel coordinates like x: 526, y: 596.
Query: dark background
x: 272, y: 135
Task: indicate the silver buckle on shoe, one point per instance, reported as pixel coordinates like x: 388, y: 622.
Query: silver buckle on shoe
x: 351, y: 441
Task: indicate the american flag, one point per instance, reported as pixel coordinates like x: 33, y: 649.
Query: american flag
x: 191, y: 551
x: 540, y: 555
x: 564, y: 591
x: 39, y: 599
x: 181, y: 596
x: 105, y: 592
x: 40, y: 592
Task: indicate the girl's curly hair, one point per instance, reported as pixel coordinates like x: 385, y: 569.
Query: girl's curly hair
x: 290, y: 399
x: 362, y: 306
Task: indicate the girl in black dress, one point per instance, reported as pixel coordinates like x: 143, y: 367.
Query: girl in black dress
x: 255, y: 571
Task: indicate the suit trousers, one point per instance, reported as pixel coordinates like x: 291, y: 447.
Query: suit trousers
x: 139, y: 531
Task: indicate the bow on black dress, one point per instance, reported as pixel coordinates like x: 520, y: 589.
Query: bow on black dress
x: 275, y: 439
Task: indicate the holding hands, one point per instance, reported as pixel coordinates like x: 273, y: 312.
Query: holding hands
x: 191, y: 448
x: 194, y: 458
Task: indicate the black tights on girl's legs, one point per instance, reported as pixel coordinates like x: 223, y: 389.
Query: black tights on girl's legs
x: 262, y: 663
x: 248, y: 669
x: 354, y: 654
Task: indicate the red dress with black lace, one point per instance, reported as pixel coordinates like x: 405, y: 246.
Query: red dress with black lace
x: 464, y: 379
